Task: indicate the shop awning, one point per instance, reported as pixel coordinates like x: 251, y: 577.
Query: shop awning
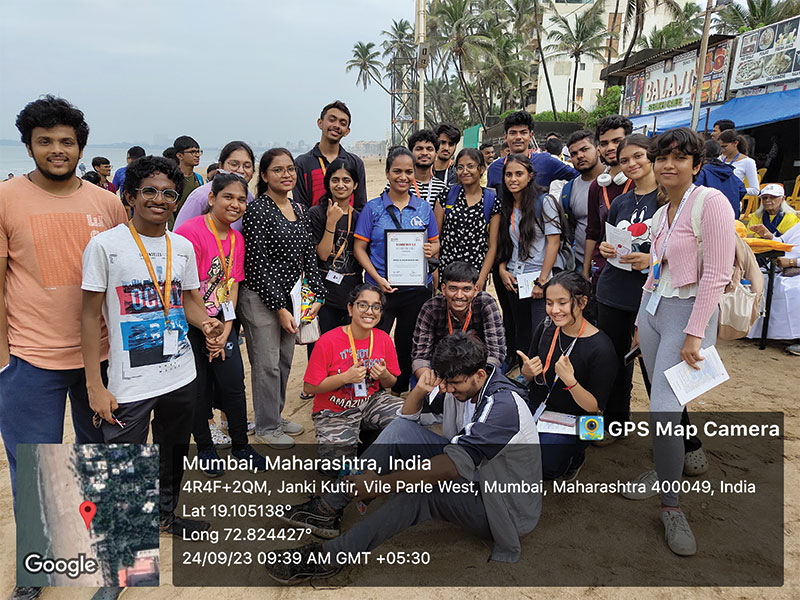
x: 749, y: 111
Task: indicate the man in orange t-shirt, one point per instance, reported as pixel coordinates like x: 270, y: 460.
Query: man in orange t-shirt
x: 46, y: 219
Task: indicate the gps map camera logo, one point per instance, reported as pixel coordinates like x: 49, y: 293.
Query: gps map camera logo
x: 591, y: 428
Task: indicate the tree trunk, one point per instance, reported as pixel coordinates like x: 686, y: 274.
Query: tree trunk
x: 467, y: 92
x: 575, y: 81
x: 541, y: 56
x: 639, y: 20
x: 608, y: 50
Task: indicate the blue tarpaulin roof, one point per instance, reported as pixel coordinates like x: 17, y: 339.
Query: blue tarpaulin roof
x: 749, y: 111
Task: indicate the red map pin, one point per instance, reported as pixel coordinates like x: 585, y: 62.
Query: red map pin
x: 88, y: 511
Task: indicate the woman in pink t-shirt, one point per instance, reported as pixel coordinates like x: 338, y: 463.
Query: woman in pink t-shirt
x: 678, y: 312
x: 350, y: 395
x: 219, y: 251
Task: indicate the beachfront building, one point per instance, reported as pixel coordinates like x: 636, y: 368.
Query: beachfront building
x: 561, y: 68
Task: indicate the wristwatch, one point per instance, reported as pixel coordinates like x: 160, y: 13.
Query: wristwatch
x: 538, y: 283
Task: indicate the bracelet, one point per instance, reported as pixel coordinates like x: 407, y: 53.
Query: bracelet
x: 569, y: 387
x: 538, y: 283
x: 329, y: 231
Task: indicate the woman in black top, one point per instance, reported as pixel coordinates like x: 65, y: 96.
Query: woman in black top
x: 619, y: 291
x: 278, y: 250
x: 570, y: 369
x: 333, y: 223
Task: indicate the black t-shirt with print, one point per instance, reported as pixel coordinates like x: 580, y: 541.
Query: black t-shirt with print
x: 345, y: 264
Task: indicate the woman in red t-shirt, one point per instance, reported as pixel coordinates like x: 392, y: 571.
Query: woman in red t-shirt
x: 350, y: 394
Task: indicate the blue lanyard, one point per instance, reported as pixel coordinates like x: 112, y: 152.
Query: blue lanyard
x: 657, y: 263
x: 735, y: 158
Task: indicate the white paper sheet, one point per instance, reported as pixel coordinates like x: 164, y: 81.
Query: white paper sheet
x: 688, y: 383
x: 297, y: 300
x: 622, y: 240
x: 556, y: 422
x: 525, y: 284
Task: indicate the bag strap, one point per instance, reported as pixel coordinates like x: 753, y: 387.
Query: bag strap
x: 452, y: 196
x: 394, y: 218
x: 697, y: 214
x: 489, y: 198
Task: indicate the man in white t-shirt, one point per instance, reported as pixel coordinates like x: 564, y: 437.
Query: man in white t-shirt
x: 151, y: 365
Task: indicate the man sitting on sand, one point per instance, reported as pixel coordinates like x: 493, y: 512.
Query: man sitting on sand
x: 499, y: 444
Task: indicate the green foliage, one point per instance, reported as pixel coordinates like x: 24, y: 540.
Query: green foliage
x: 607, y: 104
x: 736, y: 18
x: 569, y: 117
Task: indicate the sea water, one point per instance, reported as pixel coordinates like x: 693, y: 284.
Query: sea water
x: 32, y: 532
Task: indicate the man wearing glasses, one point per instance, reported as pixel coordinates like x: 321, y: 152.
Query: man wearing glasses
x: 348, y: 373
x: 462, y: 307
x: 188, y: 153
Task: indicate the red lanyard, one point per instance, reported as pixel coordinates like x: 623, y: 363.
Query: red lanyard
x: 605, y: 193
x: 166, y: 295
x: 226, y: 264
x: 553, y: 346
x: 466, y: 323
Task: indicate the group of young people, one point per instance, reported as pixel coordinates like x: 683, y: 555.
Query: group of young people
x: 161, y: 309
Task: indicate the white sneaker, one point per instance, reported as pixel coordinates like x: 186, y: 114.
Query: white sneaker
x: 276, y: 439
x: 291, y: 428
x: 251, y: 427
x: 695, y: 463
x: 641, y: 487
x: 220, y: 439
x: 677, y: 532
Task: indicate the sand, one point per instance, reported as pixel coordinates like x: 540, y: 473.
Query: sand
x: 760, y: 381
x: 62, y: 495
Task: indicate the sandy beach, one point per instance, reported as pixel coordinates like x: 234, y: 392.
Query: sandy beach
x: 62, y: 496
x: 620, y: 531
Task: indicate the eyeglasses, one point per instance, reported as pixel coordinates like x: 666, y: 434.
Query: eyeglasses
x: 235, y: 164
x: 282, y: 170
x: 469, y: 167
x: 365, y: 307
x: 150, y: 193
x: 194, y: 152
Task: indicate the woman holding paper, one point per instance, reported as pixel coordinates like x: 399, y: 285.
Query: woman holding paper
x: 571, y: 371
x: 531, y: 223
x: 678, y: 312
x: 619, y: 288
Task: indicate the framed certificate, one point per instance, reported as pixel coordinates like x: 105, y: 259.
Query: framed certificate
x: 406, y: 264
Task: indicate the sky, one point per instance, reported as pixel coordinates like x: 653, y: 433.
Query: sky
x: 257, y: 70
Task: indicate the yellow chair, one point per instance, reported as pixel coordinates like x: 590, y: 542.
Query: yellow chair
x: 761, y: 174
x: 794, y: 199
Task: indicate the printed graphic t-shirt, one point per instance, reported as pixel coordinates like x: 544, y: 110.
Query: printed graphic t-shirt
x: 137, y: 367
x: 332, y: 355
x: 209, y: 264
x: 43, y: 237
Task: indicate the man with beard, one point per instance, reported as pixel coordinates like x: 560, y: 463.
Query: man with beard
x: 443, y: 168
x: 334, y: 123
x: 423, y: 145
x: 46, y: 219
x: 518, y: 129
x: 610, y: 131
x: 575, y: 194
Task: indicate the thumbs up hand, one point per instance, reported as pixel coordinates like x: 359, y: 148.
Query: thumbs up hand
x: 531, y: 367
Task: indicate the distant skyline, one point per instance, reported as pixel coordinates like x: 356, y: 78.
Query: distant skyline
x: 150, y: 71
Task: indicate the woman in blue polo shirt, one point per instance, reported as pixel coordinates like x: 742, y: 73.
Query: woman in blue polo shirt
x: 396, y: 208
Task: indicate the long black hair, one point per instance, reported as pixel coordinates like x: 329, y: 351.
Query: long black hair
x: 263, y: 166
x: 531, y: 222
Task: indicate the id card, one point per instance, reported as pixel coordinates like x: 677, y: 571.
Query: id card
x: 539, y: 412
x: 170, y: 342
x: 334, y: 277
x: 228, y: 313
x: 652, y: 304
x: 360, y: 389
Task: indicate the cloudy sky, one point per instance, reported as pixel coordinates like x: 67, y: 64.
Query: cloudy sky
x: 258, y: 70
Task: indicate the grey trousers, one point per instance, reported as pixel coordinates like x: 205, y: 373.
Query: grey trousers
x: 403, y: 439
x: 270, y: 350
x: 661, y: 338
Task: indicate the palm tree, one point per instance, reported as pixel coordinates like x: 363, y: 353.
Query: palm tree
x: 735, y: 18
x: 635, y: 11
x: 677, y: 33
x: 585, y: 36
x: 365, y: 59
x: 399, y: 42
x: 459, y: 27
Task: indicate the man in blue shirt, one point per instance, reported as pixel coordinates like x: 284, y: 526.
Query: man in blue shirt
x: 518, y: 128
x: 489, y: 437
x: 134, y: 152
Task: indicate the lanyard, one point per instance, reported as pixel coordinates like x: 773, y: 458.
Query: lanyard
x: 344, y: 243
x: 505, y: 158
x: 550, y: 356
x: 657, y: 259
x: 735, y: 158
x: 512, y: 224
x: 430, y: 188
x: 466, y: 323
x: 322, y: 166
x: 166, y: 296
x: 226, y: 265
x: 353, y: 345
x: 605, y: 193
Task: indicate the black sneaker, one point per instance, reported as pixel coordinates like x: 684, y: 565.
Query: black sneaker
x: 315, y: 515
x: 316, y: 563
x: 25, y: 593
x: 257, y: 462
x: 210, y: 462
x: 573, y: 470
x: 181, y: 527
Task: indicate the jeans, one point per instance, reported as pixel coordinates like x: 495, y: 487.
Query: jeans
x: 618, y: 325
x: 404, y: 307
x: 32, y: 403
x: 560, y: 453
